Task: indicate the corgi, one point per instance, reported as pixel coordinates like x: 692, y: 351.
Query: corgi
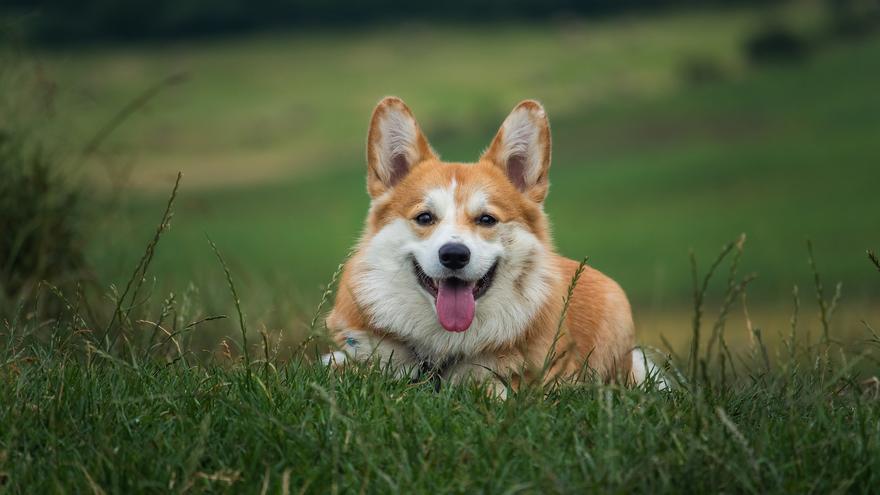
x: 456, y: 272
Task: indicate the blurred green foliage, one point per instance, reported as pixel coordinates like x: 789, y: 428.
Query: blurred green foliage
x: 41, y: 220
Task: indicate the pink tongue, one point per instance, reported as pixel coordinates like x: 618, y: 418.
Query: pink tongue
x: 455, y: 304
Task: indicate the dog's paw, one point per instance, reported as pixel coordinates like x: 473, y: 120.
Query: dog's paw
x: 336, y: 358
x: 644, y: 370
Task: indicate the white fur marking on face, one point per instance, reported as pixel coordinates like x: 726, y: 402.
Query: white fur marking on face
x: 477, y: 203
x: 441, y: 202
x: 483, y: 253
x: 386, y: 286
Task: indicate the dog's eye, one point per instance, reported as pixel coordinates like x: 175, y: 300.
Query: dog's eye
x: 424, y: 218
x: 487, y: 220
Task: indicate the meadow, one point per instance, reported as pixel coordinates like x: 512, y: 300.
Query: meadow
x: 269, y: 134
x: 667, y: 142
x: 94, y: 408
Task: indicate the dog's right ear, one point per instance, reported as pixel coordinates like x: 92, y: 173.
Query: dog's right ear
x: 394, y: 145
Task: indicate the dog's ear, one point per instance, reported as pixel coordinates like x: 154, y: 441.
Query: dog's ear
x: 394, y: 145
x: 522, y: 149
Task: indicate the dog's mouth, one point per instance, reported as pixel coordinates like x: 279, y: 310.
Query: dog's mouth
x: 454, y: 297
x: 431, y: 285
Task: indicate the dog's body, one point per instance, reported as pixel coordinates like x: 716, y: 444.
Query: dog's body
x: 456, y: 269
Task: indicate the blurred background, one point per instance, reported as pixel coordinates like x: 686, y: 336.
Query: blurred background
x: 677, y: 126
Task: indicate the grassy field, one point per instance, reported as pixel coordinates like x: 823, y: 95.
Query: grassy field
x: 122, y: 401
x: 81, y: 413
x: 299, y: 429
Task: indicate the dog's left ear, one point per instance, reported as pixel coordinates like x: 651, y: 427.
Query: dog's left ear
x: 395, y: 144
x: 522, y: 149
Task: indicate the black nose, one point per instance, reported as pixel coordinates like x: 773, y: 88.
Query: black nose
x: 454, y: 255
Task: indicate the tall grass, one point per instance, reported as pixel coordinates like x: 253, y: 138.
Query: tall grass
x: 81, y: 415
x: 41, y: 219
x: 46, y: 213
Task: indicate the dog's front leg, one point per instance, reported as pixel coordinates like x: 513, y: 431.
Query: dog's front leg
x: 362, y: 345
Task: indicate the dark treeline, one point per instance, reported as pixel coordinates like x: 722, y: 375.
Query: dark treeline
x: 54, y: 21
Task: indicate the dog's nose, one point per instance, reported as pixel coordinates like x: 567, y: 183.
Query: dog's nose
x: 454, y: 255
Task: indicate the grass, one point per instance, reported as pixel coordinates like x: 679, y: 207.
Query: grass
x: 113, y: 428
x: 116, y: 396
x: 83, y: 414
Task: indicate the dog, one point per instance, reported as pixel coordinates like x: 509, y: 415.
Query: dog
x: 456, y: 273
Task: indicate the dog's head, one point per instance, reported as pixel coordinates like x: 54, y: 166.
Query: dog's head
x: 449, y: 242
